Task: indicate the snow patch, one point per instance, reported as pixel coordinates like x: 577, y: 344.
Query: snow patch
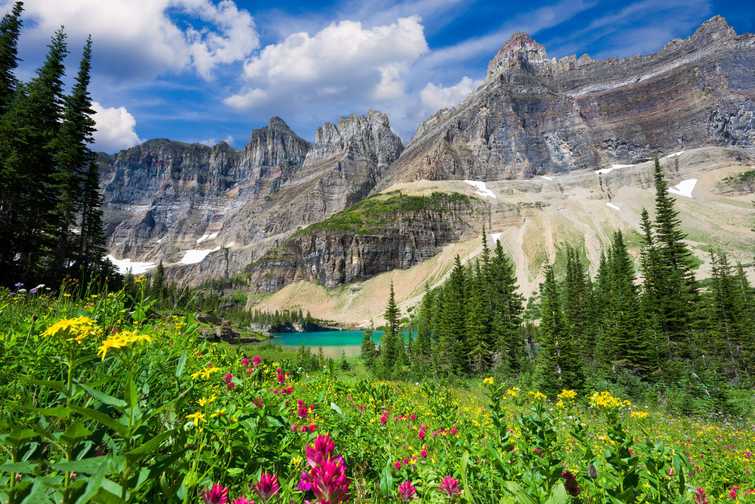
x: 206, y: 236
x: 196, y: 256
x: 613, y: 167
x: 684, y: 188
x: 127, y: 265
x: 546, y: 177
x: 494, y: 237
x: 675, y: 154
x: 482, y: 188
x: 230, y: 244
x: 615, y: 207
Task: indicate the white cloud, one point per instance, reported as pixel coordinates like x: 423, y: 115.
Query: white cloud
x: 344, y: 62
x: 140, y: 38
x: 115, y: 128
x: 435, y: 97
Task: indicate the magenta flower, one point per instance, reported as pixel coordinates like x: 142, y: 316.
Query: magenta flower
x: 267, y: 486
x: 421, y: 434
x: 327, y: 477
x: 281, y: 376
x: 301, y: 409
x: 245, y: 361
x: 406, y: 491
x: 450, y: 486
x: 423, y: 453
x: 217, y: 494
x: 454, y: 431
x: 320, y: 450
x: 397, y: 464
x: 384, y: 418
x: 700, y: 497
x: 256, y: 360
x: 242, y: 500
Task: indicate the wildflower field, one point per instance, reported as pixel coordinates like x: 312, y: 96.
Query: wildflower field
x: 105, y: 401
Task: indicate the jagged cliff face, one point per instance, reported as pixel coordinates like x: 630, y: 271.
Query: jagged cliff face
x: 210, y: 211
x: 383, y: 233
x: 268, y: 211
x: 536, y: 115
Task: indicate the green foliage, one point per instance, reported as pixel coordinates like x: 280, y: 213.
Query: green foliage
x: 374, y: 213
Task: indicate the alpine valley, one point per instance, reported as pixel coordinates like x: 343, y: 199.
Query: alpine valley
x: 545, y: 152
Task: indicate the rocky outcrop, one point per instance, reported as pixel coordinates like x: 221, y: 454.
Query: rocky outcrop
x: 209, y: 211
x: 379, y: 234
x: 537, y: 115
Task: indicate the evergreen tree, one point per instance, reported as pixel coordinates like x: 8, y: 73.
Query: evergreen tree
x: 30, y: 129
x: 368, y: 348
x: 158, y: 281
x: 507, y: 306
x: 91, y: 248
x: 558, y: 365
x: 10, y: 29
x: 476, y: 327
x: 453, y: 326
x: 577, y: 301
x: 74, y: 162
x: 424, y: 343
x: 389, y: 346
x: 677, y: 288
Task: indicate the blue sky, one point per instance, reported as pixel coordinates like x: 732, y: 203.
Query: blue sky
x: 211, y: 70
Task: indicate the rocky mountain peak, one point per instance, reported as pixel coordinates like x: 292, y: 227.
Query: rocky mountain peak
x: 714, y: 29
x: 519, y: 50
x: 358, y: 136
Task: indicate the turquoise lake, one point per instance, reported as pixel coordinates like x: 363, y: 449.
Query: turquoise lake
x: 333, y: 343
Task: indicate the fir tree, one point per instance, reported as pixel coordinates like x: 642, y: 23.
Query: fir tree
x: 10, y: 29
x: 368, y: 348
x: 558, y: 364
x: 476, y: 327
x: 74, y: 161
x: 389, y: 347
x: 506, y: 311
x: 453, y: 326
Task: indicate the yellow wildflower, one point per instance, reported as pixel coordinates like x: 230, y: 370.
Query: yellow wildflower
x: 605, y: 400
x: 205, y: 373
x: 207, y: 400
x: 560, y: 404
x: 489, y: 380
x: 218, y: 412
x: 512, y: 392
x: 537, y: 395
x: 639, y: 414
x: 567, y: 395
x: 196, y: 417
x: 122, y: 339
x: 76, y: 329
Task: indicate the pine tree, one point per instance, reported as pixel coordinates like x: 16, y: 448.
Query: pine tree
x: 453, y: 328
x: 74, y: 162
x: 91, y: 247
x: 424, y: 344
x: 577, y: 301
x: 158, y: 281
x: 476, y: 328
x: 10, y: 29
x: 29, y: 129
x: 507, y: 307
x: 368, y: 348
x: 389, y: 348
x: 558, y: 364
x: 677, y: 288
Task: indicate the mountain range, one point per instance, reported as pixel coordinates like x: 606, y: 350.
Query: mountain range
x: 544, y: 151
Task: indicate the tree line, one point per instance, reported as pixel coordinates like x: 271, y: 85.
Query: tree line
x: 50, y: 200
x: 652, y: 322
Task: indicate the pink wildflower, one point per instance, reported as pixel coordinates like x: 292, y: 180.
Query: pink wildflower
x: 450, y: 486
x: 267, y: 486
x: 700, y: 497
x: 407, y: 491
x: 242, y: 500
x: 245, y: 361
x: 256, y: 360
x: 217, y: 494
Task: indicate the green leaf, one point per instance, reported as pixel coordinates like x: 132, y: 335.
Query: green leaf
x: 60, y: 411
x: 19, y: 467
x: 149, y: 446
x: 19, y: 435
x: 103, y: 419
x: 76, y: 431
x: 517, y: 492
x: 336, y: 408
x: 132, y: 395
x: 181, y: 365
x: 93, y: 485
x: 558, y: 495
x: 38, y: 494
x: 89, y: 465
x: 103, y: 397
